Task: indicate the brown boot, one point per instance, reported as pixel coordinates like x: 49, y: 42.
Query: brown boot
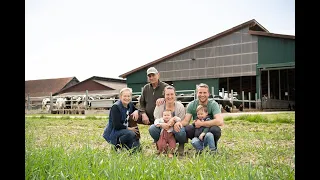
x: 181, y: 149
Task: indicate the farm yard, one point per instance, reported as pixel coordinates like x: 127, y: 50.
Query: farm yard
x: 252, y: 146
x: 90, y: 103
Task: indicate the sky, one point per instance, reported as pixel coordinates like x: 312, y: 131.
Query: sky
x: 107, y: 38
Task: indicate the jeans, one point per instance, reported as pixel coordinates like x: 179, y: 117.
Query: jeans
x: 215, y: 130
x: 208, y: 140
x: 180, y: 137
x: 128, y: 139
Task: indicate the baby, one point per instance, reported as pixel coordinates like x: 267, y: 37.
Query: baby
x: 167, y: 139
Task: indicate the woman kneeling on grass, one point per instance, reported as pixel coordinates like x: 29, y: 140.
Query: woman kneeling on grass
x: 118, y: 131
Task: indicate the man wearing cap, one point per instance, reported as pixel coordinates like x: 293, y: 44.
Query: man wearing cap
x: 150, y: 94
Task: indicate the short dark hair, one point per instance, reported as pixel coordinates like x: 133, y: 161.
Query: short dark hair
x: 203, y: 85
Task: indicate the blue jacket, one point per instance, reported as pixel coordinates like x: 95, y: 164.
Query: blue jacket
x: 117, y: 116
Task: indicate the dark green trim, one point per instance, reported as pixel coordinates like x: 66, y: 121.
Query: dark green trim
x: 277, y: 65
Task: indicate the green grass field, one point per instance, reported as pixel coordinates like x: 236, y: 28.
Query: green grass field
x: 251, y: 147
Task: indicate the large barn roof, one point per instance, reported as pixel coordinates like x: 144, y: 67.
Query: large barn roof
x: 43, y: 87
x: 109, y: 83
x: 253, y: 24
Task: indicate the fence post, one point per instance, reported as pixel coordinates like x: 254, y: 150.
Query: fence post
x: 231, y: 100
x: 51, y: 103
x: 256, y: 98
x: 243, y: 99
x: 212, y: 90
x: 222, y: 89
x: 249, y: 93
x: 28, y: 102
x: 86, y: 100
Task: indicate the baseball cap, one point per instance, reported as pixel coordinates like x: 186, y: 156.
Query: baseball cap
x: 152, y: 70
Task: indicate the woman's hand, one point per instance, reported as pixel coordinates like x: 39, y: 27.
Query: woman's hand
x: 135, y: 115
x: 165, y: 126
x: 171, y: 121
x: 177, y: 126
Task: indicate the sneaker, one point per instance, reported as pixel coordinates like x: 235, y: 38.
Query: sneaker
x: 213, y: 151
x: 181, y: 149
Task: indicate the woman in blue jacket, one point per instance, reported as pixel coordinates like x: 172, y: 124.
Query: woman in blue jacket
x: 118, y: 132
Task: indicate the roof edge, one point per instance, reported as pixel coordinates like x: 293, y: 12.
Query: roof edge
x: 249, y: 23
x: 260, y: 33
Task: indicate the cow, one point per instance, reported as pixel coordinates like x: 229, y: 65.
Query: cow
x: 45, y: 104
x: 185, y: 98
x: 61, y: 104
x: 135, y: 100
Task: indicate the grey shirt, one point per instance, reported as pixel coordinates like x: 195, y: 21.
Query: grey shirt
x: 149, y: 97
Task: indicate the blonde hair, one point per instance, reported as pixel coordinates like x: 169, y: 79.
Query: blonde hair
x: 202, y: 108
x: 125, y: 89
x: 167, y: 110
x: 202, y: 85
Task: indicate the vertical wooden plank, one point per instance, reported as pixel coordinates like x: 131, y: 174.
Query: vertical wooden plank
x: 86, y: 101
x: 51, y: 103
x: 28, y: 102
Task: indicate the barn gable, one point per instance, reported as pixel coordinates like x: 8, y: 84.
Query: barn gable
x: 188, y: 53
x: 96, y: 84
x: 43, y: 87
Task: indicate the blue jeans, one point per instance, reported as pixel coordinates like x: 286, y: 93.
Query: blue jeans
x: 207, y: 141
x: 128, y: 139
x: 180, y: 137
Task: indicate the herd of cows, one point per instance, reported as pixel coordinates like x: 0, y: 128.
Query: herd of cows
x: 77, y: 104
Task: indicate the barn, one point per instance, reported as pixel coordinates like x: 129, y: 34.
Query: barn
x: 70, y: 93
x: 44, y: 87
x: 95, y: 85
x: 246, y: 59
x: 36, y: 90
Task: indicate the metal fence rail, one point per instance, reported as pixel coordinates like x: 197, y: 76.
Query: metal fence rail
x: 184, y: 96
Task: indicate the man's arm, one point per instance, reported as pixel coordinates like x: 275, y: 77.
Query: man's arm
x: 186, y: 119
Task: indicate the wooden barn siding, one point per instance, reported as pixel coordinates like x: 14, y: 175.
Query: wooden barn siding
x: 89, y: 85
x: 232, y: 55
